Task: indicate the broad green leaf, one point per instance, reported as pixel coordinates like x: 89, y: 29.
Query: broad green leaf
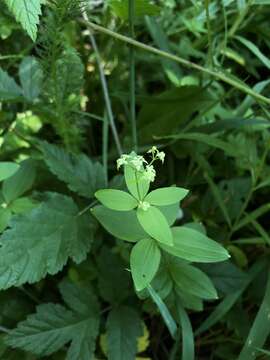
x: 155, y: 224
x: 20, y: 182
x: 54, y: 325
x: 7, y: 169
x: 80, y: 173
x: 31, y: 77
x: 188, y: 346
x: 188, y: 300
x: 22, y: 205
x: 116, y: 199
x: 136, y: 184
x: 192, y: 280
x: 192, y: 245
x: 41, y: 241
x: 144, y: 262
x: 166, y: 196
x: 142, y: 8
x: 27, y: 13
x: 170, y: 212
x: 123, y: 225
x: 163, y: 114
x: 5, y: 215
x: 124, y: 327
x: 260, y: 329
x: 164, y: 311
x: 9, y: 90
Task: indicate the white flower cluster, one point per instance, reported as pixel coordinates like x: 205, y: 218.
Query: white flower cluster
x: 139, y: 163
x: 144, y: 205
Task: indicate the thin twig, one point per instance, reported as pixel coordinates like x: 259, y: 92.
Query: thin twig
x: 104, y: 88
x: 218, y: 74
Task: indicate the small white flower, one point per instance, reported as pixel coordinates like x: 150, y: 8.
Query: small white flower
x: 161, y: 156
x: 123, y: 160
x: 137, y: 162
x: 152, y: 150
x: 149, y: 173
x: 144, y: 205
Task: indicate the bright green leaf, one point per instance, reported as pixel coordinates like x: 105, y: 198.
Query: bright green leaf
x: 116, y: 199
x: 136, y: 184
x: 192, y: 280
x: 188, y: 347
x: 27, y: 13
x: 155, y: 224
x: 5, y: 215
x: 22, y: 205
x: 7, y: 169
x: 121, y: 224
x: 166, y: 196
x: 192, y: 245
x: 144, y: 262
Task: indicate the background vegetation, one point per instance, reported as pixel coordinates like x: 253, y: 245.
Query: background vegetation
x: 74, y: 95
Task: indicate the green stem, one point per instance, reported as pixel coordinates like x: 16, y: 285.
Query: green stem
x: 105, y: 131
x: 105, y: 89
x: 219, y: 75
x: 132, y: 75
x: 209, y: 34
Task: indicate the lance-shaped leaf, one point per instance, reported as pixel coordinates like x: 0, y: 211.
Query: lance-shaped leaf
x: 41, y: 241
x: 144, y: 262
x: 166, y: 196
x: 192, y: 280
x: 7, y: 169
x: 116, y: 199
x: 155, y: 224
x: 136, y: 183
x: 192, y: 245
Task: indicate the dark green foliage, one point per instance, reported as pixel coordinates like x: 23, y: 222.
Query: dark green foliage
x: 83, y: 281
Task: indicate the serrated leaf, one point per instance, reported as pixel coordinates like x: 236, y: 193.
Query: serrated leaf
x: 124, y: 327
x: 155, y: 224
x: 80, y: 173
x: 40, y: 242
x: 142, y: 8
x: 116, y: 199
x: 7, y: 169
x: 192, y: 245
x: 27, y: 13
x: 144, y: 262
x: 166, y: 196
x: 31, y: 77
x: 9, y: 90
x: 53, y: 326
x: 192, y: 280
x: 123, y: 225
x: 20, y: 182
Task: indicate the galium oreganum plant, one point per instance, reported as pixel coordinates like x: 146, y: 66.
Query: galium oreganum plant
x: 146, y: 218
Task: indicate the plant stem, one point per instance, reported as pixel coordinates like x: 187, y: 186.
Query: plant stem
x: 219, y: 75
x: 132, y: 101
x: 105, y: 129
x: 209, y: 34
x: 105, y: 89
